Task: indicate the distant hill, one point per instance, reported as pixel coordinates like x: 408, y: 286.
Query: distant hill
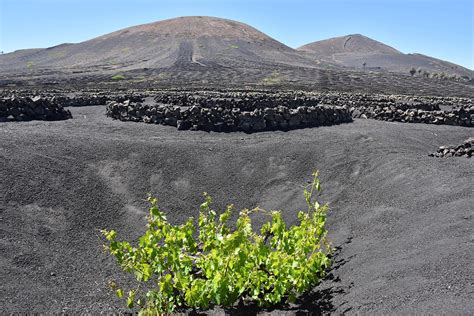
x: 361, y: 52
x: 355, y: 43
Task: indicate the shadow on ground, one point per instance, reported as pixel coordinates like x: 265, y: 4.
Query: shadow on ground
x: 318, y: 301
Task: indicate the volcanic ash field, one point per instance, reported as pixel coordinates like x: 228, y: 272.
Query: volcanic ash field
x: 198, y: 104
x: 401, y: 219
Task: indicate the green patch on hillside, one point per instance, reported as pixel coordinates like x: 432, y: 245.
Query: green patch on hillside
x: 273, y: 79
x: 118, y: 77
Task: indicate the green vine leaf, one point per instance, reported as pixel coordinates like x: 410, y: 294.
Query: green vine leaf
x: 204, y: 263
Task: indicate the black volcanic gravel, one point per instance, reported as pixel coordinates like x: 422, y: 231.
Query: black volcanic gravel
x: 402, y: 220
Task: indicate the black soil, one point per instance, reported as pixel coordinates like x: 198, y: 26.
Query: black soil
x: 402, y: 221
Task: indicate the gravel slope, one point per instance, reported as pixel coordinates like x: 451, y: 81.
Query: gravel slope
x: 355, y: 49
x: 402, y: 220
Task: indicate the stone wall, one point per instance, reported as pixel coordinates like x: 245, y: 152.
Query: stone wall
x: 253, y: 100
x: 430, y: 110
x: 460, y: 116
x: 27, y: 109
x: 244, y: 110
x: 466, y: 149
x: 229, y: 119
x: 86, y: 100
x: 246, y: 101
x: 72, y: 99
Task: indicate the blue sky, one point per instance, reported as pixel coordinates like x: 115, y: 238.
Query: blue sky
x: 439, y: 28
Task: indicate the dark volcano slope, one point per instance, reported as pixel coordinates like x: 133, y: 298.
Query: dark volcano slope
x: 355, y: 50
x: 256, y: 78
x: 182, y: 43
x: 402, y: 219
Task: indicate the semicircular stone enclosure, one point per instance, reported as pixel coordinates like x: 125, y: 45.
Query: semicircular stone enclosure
x: 262, y: 111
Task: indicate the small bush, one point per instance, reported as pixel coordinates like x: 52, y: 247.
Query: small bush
x: 273, y: 79
x: 118, y: 77
x: 197, y: 266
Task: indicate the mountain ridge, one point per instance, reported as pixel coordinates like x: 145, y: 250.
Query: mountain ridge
x: 360, y: 52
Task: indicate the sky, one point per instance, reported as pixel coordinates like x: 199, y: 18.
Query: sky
x: 440, y: 28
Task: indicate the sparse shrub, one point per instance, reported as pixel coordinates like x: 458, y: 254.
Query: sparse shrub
x: 118, y: 77
x: 444, y: 76
x: 163, y: 75
x: 273, y: 79
x: 197, y: 266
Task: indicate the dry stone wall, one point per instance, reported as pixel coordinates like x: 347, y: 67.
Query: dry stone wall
x: 249, y: 110
x: 460, y: 117
x: 70, y: 99
x: 27, y: 109
x: 466, y: 149
x: 253, y: 100
x: 87, y: 100
x: 223, y: 119
x: 395, y: 108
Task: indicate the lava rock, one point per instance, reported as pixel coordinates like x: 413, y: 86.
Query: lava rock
x: 466, y: 149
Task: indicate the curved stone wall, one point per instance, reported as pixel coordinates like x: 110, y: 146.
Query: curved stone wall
x: 430, y: 110
x: 27, y: 109
x: 229, y: 119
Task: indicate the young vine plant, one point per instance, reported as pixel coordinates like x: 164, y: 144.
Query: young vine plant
x: 199, y: 265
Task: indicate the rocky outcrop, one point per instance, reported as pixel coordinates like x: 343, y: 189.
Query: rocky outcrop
x: 466, y: 149
x: 27, y: 109
x: 222, y: 119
